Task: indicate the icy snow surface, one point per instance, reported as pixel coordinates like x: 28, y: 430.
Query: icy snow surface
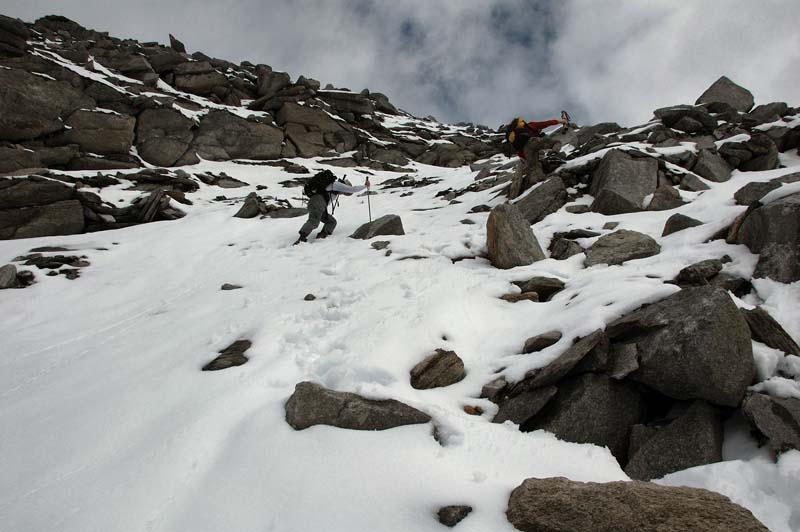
x: 108, y: 424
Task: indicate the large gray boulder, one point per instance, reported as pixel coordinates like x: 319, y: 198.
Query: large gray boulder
x: 59, y: 218
x: 593, y: 408
x: 389, y: 224
x: 34, y: 190
x: 773, y: 231
x: 726, y: 91
x: 312, y: 404
x: 712, y: 167
x: 692, y: 345
x: 270, y: 82
x: 692, y: 439
x: 621, y: 246
x: 562, y: 505
x: 14, y: 158
x: 99, y: 132
x: 677, y: 115
x: 521, y: 408
x: 32, y: 106
x: 509, y: 238
x: 620, y: 183
x: 544, y: 199
x: 753, y: 192
x: 442, y: 368
x: 778, y: 419
x: 163, y: 136
x: 224, y: 136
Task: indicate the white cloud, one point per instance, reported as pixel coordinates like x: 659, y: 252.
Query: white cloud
x: 484, y: 60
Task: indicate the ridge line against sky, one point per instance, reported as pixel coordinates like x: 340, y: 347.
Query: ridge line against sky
x: 483, y: 61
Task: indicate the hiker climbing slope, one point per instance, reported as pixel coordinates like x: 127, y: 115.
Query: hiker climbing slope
x: 323, y: 190
x: 528, y: 139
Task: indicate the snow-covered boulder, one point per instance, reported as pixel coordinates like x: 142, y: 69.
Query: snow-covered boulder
x: 773, y: 231
x: 621, y: 246
x: 726, y: 91
x: 509, y: 238
x: 691, y: 439
x: 312, y: 404
x: 692, y: 345
x: 753, y: 192
x: 621, y: 183
x: 563, y: 504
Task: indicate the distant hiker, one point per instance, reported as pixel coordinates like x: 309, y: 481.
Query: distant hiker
x: 323, y: 190
x: 528, y: 139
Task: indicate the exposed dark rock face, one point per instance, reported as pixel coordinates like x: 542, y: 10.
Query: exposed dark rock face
x: 727, y: 92
x: 562, y: 505
x: 692, y: 345
x: 712, y: 167
x: 311, y: 404
x: 223, y: 136
x: 679, y: 222
x: 621, y: 183
x: 766, y: 330
x: 541, y: 341
x: 545, y: 199
x: 442, y: 368
x: 665, y: 198
x: 452, y: 515
x: 99, y: 132
x: 692, y: 439
x: 778, y: 419
x: 521, y: 408
x: 753, y: 192
x: 621, y: 246
x: 231, y: 356
x: 389, y: 224
x: 32, y: 106
x: 700, y: 272
x: 509, y: 238
x: 773, y: 231
x: 163, y: 136
x: 593, y: 408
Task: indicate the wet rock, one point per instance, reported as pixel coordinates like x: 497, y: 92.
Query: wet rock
x: 312, y: 404
x: 692, y: 439
x: 390, y: 224
x: 231, y: 356
x: 442, y: 368
x: 621, y: 246
x: 510, y: 240
x: 562, y: 505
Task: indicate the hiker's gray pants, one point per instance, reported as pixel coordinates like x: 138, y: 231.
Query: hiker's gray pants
x: 318, y: 212
x: 529, y: 171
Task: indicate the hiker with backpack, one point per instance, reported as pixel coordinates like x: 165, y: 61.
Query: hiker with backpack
x: 528, y: 139
x: 323, y: 190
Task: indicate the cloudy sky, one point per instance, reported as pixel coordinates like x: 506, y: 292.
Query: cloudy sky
x: 483, y: 61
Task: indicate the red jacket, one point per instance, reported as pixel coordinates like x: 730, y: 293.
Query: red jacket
x: 535, y: 128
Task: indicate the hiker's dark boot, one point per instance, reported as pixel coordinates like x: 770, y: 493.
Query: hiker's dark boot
x: 303, y: 238
x: 323, y: 234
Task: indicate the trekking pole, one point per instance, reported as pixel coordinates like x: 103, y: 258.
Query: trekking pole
x: 369, y: 206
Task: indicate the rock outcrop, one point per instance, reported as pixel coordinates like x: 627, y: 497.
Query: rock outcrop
x: 509, y: 238
x: 773, y: 231
x: 311, y: 404
x: 559, y: 504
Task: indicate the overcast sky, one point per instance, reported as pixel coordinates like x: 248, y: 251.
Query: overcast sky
x: 483, y: 61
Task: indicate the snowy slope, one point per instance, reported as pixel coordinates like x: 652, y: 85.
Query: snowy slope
x: 109, y: 424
